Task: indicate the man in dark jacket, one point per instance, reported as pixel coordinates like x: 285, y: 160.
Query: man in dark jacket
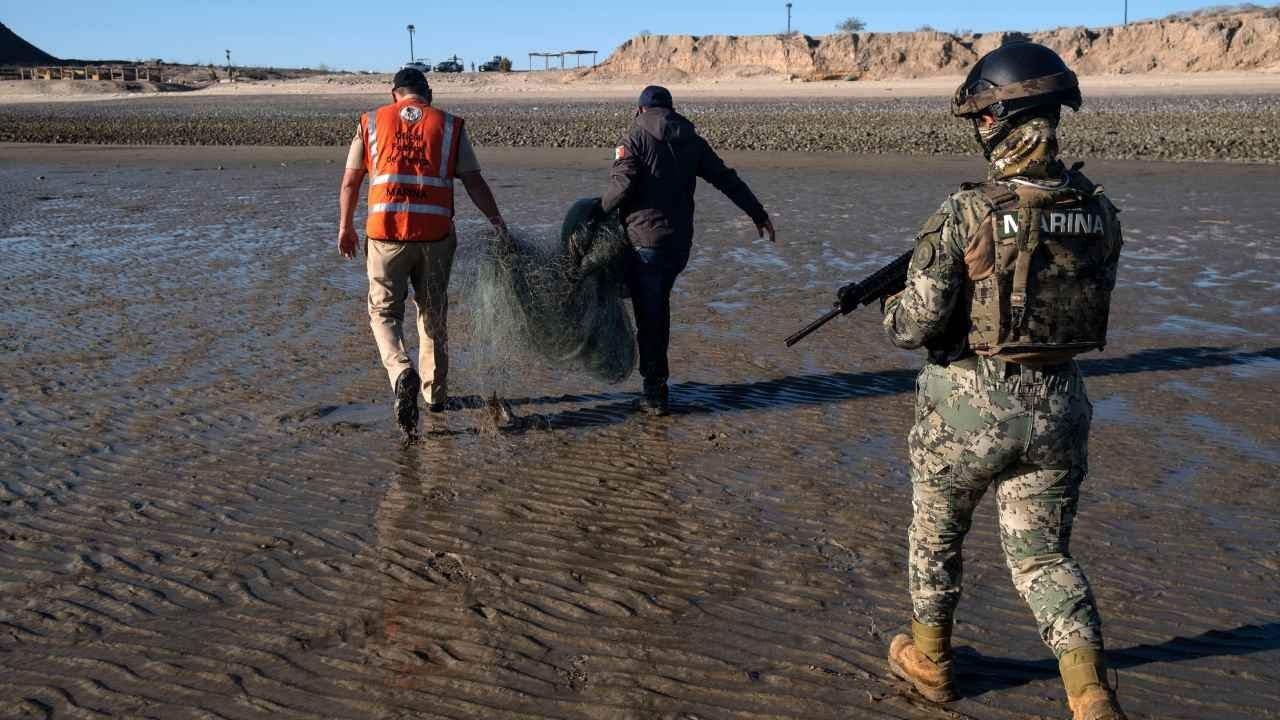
x: 652, y: 184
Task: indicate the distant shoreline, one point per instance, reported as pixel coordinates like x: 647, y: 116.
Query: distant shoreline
x: 568, y: 86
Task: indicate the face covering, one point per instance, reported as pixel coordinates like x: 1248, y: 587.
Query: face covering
x: 1029, y: 150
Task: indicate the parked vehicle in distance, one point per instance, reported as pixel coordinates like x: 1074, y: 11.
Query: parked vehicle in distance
x: 497, y: 64
x: 452, y: 65
x: 422, y: 67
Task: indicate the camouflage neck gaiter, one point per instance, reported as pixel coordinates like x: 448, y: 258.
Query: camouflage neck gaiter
x: 1030, y: 150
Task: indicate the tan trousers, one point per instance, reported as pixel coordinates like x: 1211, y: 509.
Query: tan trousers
x: 393, y: 267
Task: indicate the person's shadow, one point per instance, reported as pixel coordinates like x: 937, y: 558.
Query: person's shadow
x: 693, y: 398
x: 979, y: 674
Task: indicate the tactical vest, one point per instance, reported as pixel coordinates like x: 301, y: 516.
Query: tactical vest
x: 411, y: 153
x: 1041, y: 271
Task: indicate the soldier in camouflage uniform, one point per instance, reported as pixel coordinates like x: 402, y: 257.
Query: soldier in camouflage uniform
x: 1009, y: 280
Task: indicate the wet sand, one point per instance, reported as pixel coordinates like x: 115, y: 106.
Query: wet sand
x: 205, y: 511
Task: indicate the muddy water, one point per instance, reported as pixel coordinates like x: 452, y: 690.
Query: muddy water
x: 204, y: 511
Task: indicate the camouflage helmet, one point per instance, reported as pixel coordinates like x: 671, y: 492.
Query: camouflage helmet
x: 1014, y: 83
x: 1014, y: 78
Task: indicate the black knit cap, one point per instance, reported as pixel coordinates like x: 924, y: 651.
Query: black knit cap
x: 655, y: 96
x: 410, y: 79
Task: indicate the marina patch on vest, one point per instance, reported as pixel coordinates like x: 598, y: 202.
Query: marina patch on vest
x: 1054, y: 222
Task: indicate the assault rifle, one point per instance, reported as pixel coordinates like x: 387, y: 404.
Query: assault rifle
x: 886, y: 281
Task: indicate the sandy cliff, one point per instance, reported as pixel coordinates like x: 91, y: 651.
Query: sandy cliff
x: 1247, y: 40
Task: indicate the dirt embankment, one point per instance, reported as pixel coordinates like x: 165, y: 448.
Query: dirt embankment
x: 1237, y: 41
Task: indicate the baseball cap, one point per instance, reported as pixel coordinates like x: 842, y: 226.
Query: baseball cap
x: 655, y: 96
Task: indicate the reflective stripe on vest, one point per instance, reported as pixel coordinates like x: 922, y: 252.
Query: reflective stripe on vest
x: 412, y: 180
x: 447, y: 155
x: 411, y: 153
x: 411, y: 208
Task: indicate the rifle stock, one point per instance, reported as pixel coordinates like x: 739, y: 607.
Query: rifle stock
x: 886, y: 281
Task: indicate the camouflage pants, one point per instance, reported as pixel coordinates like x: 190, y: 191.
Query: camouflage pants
x: 982, y: 423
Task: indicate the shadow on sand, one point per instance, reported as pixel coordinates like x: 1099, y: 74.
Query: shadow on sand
x: 979, y: 674
x: 802, y: 390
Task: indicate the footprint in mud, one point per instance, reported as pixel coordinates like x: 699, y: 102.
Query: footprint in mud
x: 574, y: 674
x: 577, y: 674
x: 438, y: 497
x: 450, y: 566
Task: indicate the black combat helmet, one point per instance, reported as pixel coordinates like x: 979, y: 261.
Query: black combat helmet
x: 1016, y: 82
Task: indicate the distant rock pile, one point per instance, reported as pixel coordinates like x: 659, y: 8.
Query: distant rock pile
x: 16, y: 51
x: 1236, y: 40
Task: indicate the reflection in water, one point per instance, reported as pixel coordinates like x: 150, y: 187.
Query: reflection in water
x: 404, y: 585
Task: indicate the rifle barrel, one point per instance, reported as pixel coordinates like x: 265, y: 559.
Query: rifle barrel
x: 808, y: 330
x: 884, y: 282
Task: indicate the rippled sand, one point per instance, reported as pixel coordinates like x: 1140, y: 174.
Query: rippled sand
x: 205, y: 512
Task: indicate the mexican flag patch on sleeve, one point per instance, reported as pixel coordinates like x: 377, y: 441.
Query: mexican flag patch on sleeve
x: 619, y: 152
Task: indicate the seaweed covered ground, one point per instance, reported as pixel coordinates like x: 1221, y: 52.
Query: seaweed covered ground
x: 1206, y: 128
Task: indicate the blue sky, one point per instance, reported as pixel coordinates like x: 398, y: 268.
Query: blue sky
x: 371, y: 35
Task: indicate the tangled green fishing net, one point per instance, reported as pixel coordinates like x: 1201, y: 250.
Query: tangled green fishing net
x: 560, y: 301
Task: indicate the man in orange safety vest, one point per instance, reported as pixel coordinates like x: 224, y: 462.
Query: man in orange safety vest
x: 412, y: 152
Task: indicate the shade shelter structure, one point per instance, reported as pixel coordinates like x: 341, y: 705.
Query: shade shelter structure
x: 577, y: 59
x: 546, y: 58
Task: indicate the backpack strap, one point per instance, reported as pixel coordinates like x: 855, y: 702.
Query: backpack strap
x: 1030, y: 210
x: 1031, y: 205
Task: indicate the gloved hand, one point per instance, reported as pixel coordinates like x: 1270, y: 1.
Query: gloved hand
x: 849, y: 296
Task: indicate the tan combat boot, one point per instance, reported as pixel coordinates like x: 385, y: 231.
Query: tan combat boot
x: 924, y: 660
x: 1084, y: 673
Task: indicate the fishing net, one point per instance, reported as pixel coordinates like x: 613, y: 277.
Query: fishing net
x: 559, y: 301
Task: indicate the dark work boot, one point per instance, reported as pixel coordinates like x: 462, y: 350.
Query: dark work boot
x: 407, y: 387
x: 654, y: 401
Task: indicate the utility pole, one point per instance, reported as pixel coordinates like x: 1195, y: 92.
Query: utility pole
x: 786, y: 47
x: 410, y: 29
x: 1126, y: 12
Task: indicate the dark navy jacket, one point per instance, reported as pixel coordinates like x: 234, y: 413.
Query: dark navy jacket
x: 654, y: 176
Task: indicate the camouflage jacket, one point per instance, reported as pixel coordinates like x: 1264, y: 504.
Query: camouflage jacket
x: 925, y: 313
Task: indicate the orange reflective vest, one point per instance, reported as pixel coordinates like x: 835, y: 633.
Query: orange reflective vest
x: 411, y: 153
